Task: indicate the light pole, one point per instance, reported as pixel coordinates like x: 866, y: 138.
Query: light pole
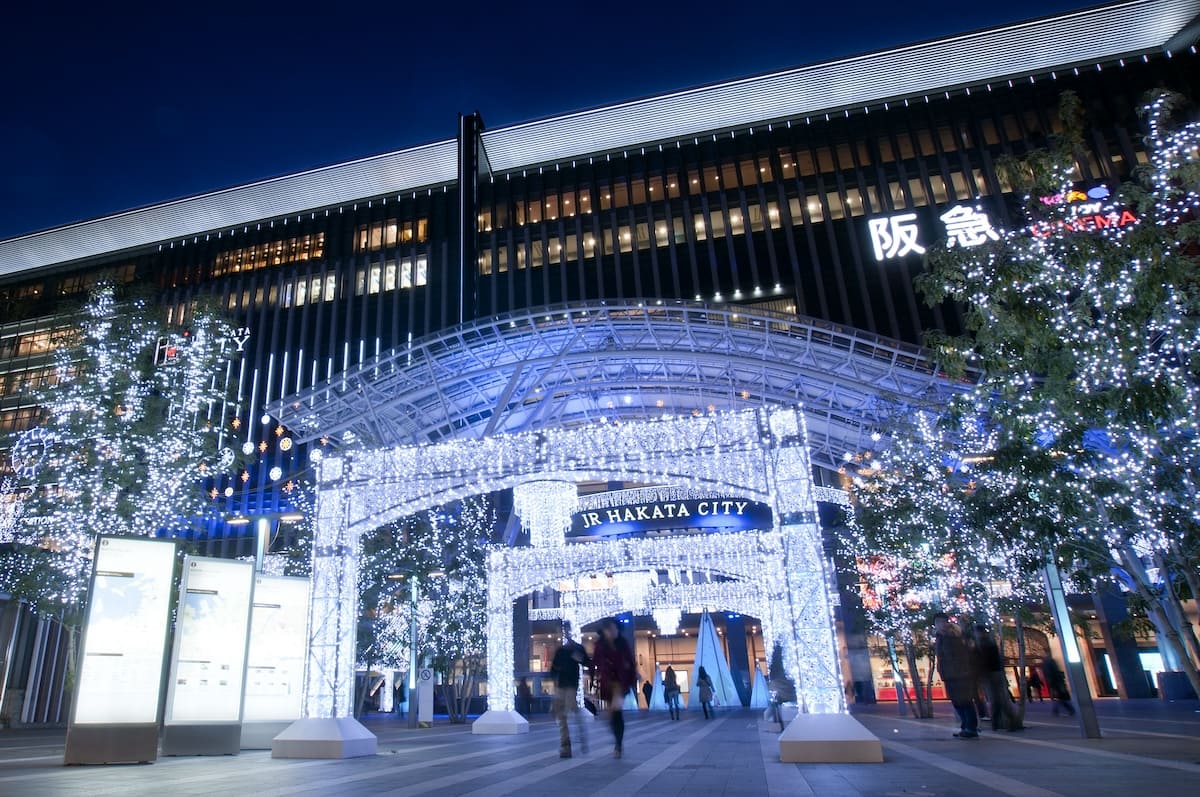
x: 414, y: 651
x: 263, y: 523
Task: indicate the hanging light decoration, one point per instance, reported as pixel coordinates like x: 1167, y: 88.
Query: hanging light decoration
x: 545, y: 508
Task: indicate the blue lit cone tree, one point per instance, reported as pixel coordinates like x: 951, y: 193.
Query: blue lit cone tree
x: 1087, y: 338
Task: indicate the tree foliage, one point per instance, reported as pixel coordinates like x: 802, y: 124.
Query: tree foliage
x: 129, y: 429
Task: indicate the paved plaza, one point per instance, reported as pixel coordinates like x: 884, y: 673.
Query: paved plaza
x: 1149, y: 748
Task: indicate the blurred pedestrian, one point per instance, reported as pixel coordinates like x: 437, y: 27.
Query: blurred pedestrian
x: 991, y: 668
x: 1056, y: 684
x: 705, y: 691
x: 565, y: 669
x: 617, y: 673
x: 956, y: 664
x: 671, y: 691
x: 524, y: 698
x: 1033, y: 683
x: 647, y: 691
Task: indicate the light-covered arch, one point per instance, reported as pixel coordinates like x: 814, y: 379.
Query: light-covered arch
x: 761, y: 454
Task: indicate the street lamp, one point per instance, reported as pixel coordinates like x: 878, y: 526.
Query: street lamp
x: 414, y: 578
x: 262, y: 529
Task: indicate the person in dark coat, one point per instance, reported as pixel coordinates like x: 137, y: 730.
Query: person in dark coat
x: 524, y: 698
x: 565, y: 669
x: 647, y: 691
x: 617, y: 674
x: 991, y: 672
x: 1034, y: 683
x: 671, y: 691
x: 1056, y: 684
x: 705, y: 691
x: 958, y: 668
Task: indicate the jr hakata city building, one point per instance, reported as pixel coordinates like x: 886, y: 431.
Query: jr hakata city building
x: 801, y: 200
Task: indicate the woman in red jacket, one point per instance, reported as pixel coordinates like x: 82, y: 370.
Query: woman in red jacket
x: 617, y: 673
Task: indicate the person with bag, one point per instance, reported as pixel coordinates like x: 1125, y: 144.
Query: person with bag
x: 565, y: 669
x: 671, y: 691
x: 705, y: 691
x: 617, y: 674
x: 991, y: 666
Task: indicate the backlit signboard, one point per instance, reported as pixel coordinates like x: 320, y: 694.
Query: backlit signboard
x: 278, y: 647
x: 125, y: 632
x: 209, y: 657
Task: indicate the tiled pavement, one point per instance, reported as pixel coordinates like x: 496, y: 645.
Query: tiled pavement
x: 1149, y: 749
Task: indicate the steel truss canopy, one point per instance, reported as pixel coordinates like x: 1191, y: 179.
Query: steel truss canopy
x: 1087, y: 38
x: 573, y: 364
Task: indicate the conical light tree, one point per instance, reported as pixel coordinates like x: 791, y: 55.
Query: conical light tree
x: 129, y: 430
x: 1085, y: 326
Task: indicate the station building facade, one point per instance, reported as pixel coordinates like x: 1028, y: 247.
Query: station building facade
x: 790, y: 192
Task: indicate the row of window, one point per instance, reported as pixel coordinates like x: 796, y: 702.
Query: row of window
x: 718, y: 224
x: 389, y: 275
x: 27, y: 345
x: 17, y: 382
x: 751, y: 171
x: 18, y: 420
x: 381, y: 234
x: 256, y: 256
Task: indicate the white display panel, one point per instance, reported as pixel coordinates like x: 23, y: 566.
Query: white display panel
x: 125, y: 633
x: 278, y: 647
x: 209, y: 658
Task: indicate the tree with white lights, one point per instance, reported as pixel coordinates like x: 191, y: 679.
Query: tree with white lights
x: 129, y: 430
x: 446, y: 549
x: 1085, y: 328
x: 917, y: 543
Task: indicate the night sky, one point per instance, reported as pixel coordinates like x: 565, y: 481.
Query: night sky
x: 109, y: 106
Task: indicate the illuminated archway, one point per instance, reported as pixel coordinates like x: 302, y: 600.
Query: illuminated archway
x: 761, y: 454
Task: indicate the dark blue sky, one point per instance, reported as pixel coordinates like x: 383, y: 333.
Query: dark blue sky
x: 108, y: 106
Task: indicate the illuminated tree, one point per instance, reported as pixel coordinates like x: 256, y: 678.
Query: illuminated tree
x: 1085, y: 328
x: 447, y: 551
x: 918, y: 543
x: 129, y: 431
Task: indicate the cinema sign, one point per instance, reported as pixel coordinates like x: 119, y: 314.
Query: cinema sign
x: 726, y: 514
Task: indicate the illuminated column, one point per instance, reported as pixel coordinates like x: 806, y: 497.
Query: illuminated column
x: 545, y: 508
x: 501, y: 716
x: 805, y: 630
x: 329, y: 729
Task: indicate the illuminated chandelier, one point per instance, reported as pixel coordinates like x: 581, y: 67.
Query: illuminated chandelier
x: 545, y: 508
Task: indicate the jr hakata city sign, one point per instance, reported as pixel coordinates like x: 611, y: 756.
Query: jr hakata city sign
x: 728, y: 514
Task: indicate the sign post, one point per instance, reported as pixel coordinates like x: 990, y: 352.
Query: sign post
x: 115, y: 714
x: 208, y: 659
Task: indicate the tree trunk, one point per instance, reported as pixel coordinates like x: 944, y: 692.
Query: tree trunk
x: 924, y: 703
x: 1022, y: 681
x: 1168, y: 636
x: 898, y: 677
x: 1175, y: 611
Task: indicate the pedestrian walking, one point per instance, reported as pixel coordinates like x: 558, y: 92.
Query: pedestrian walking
x: 1056, y: 683
x: 956, y: 664
x: 647, y: 691
x: 565, y: 668
x: 617, y: 674
x: 705, y: 691
x: 991, y: 668
x: 524, y: 698
x: 671, y: 691
x: 1033, y: 682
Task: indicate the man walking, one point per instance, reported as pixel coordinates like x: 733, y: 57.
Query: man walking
x: 991, y: 667
x: 565, y: 669
x: 956, y: 665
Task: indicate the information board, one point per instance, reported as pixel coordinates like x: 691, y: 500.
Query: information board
x: 278, y: 648
x: 208, y: 661
x: 125, y: 632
